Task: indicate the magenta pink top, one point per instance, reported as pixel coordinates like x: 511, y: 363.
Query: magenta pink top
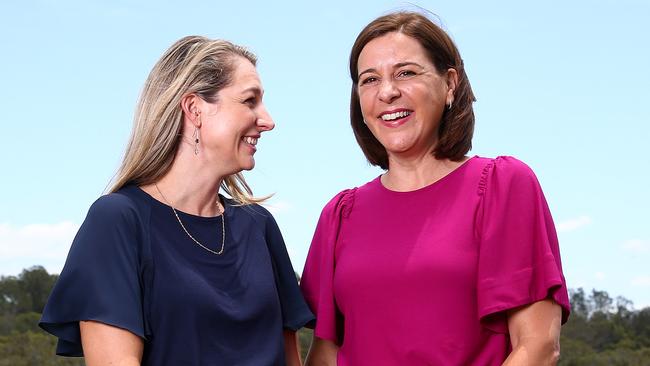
x: 426, y: 277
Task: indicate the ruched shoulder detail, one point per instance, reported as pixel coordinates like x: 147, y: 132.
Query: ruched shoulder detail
x: 503, y: 165
x: 482, y: 184
x: 346, y: 201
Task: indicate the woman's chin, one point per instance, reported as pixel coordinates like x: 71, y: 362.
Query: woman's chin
x: 397, y: 147
x: 249, y: 165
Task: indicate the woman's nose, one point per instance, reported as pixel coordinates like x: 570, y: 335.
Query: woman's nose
x: 388, y: 92
x: 264, y: 120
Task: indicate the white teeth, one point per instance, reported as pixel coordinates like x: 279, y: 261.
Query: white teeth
x: 250, y: 140
x: 396, y: 115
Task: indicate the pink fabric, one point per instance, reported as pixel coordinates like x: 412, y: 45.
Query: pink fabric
x: 425, y: 277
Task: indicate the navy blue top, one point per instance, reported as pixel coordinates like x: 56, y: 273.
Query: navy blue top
x: 131, y: 265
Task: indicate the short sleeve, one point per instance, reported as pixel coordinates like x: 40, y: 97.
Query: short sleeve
x: 519, y: 256
x: 100, y: 280
x: 318, y: 274
x: 295, y: 312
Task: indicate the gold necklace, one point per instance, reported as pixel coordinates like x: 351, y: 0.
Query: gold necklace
x: 223, y: 226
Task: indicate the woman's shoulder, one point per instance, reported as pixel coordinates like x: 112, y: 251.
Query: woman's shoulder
x: 341, y: 203
x: 504, y: 171
x: 501, y: 162
x: 255, y: 214
x: 114, y: 220
x: 510, y: 166
x: 122, y: 204
x: 113, y: 203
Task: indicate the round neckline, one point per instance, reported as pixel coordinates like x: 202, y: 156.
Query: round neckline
x: 430, y: 185
x: 225, y: 202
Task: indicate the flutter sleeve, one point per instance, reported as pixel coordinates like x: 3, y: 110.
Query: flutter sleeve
x: 318, y: 274
x: 100, y: 280
x: 295, y: 312
x: 519, y: 256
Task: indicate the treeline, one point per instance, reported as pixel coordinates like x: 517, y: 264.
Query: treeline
x: 605, y: 331
x: 601, y: 330
x: 22, y: 342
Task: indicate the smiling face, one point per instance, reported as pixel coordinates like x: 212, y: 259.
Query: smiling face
x: 231, y: 127
x: 401, y: 94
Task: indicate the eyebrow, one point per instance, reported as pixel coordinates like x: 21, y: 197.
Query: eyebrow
x: 256, y: 90
x: 397, y: 66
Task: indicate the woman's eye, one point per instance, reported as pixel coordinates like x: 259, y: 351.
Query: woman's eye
x: 406, y: 73
x: 368, y: 80
x: 251, y: 101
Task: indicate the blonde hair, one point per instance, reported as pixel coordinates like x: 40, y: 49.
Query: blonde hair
x: 193, y: 64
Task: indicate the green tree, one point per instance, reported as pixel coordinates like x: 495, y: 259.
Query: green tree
x: 10, y: 295
x: 574, y: 352
x: 640, y: 327
x: 32, y: 349
x: 26, y: 293
x: 579, y: 303
x: 604, y: 331
x: 600, y: 302
x: 36, y: 284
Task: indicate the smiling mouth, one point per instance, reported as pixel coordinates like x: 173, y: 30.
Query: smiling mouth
x: 250, y: 140
x: 390, y: 117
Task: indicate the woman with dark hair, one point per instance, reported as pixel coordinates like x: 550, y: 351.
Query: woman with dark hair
x: 444, y: 259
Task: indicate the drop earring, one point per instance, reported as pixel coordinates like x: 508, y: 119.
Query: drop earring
x: 195, y: 137
x: 450, y: 103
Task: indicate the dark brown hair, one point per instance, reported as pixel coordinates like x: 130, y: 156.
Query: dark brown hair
x: 457, y: 124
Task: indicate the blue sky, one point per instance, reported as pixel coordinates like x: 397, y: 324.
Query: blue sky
x: 561, y: 85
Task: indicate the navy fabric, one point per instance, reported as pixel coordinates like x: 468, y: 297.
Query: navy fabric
x: 132, y: 266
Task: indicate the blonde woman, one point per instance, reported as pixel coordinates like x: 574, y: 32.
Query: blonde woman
x: 164, y: 270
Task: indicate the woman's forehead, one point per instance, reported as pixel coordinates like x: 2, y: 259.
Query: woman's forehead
x: 391, y: 49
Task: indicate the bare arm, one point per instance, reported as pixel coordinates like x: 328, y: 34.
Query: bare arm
x: 535, y: 334
x: 291, y: 348
x: 108, y: 345
x: 322, y: 353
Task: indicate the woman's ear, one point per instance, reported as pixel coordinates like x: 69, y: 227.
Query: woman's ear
x: 190, y: 104
x: 452, y: 83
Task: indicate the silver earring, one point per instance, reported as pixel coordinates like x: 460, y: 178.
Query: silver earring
x: 195, y: 137
x: 450, y: 103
